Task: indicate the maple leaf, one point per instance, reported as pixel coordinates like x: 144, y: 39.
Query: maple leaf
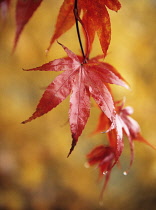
x: 81, y: 80
x: 65, y: 20
x: 24, y: 10
x: 95, y: 18
x: 123, y: 124
x: 4, y: 7
x: 103, y: 157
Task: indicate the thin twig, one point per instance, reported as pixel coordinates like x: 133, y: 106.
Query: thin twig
x: 77, y: 26
x: 78, y: 20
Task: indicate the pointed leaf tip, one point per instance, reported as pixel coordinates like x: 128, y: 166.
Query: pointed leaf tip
x: 65, y: 20
x: 72, y: 147
x: 28, y: 120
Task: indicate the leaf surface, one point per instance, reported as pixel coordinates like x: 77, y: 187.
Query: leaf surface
x: 81, y: 80
x: 113, y: 4
x: 103, y: 157
x: 124, y: 124
x: 65, y: 20
x: 79, y: 107
x: 95, y: 19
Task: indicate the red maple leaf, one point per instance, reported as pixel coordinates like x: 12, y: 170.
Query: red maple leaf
x: 103, y: 157
x: 24, y: 10
x: 123, y: 124
x: 65, y: 20
x: 95, y: 19
x: 81, y: 80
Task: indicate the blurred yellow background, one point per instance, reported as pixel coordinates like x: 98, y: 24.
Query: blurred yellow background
x: 34, y: 171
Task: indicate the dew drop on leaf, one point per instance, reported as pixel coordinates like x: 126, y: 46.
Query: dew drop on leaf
x: 105, y: 172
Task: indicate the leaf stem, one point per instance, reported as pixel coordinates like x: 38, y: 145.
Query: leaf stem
x: 77, y: 26
x: 78, y: 20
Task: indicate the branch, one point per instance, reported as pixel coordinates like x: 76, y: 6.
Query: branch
x: 78, y: 20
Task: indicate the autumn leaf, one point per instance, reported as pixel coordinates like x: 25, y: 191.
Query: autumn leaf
x: 112, y: 4
x: 95, y: 18
x: 103, y: 157
x: 24, y: 10
x: 65, y: 20
x: 124, y: 124
x: 81, y: 80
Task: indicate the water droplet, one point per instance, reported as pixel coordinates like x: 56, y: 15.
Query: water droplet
x: 125, y: 173
x: 86, y: 165
x: 105, y: 172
